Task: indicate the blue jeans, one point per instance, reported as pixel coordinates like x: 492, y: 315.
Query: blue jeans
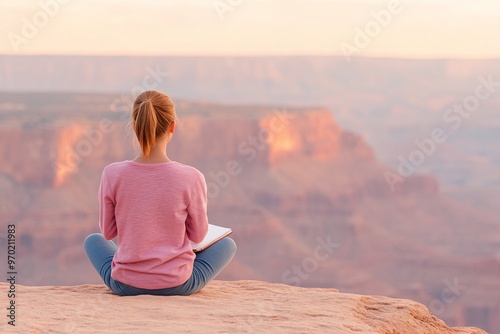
x: 207, y: 264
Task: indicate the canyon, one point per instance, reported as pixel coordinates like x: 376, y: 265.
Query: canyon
x: 308, y: 201
x: 388, y: 102
x: 306, y: 193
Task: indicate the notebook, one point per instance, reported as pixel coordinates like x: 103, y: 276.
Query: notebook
x: 215, y: 233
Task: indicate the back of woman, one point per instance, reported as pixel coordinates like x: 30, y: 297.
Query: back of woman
x: 154, y: 207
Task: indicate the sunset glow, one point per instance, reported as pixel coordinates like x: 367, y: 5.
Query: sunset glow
x: 68, y: 156
x: 413, y: 29
x: 283, y: 139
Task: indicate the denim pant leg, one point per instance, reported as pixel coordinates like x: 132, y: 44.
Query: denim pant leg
x: 209, y: 263
x: 100, y: 253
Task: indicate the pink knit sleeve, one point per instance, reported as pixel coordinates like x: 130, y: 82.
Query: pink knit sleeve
x: 197, y: 220
x: 107, y: 221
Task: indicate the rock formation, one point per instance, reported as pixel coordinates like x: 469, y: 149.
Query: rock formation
x: 287, y: 181
x: 221, y: 307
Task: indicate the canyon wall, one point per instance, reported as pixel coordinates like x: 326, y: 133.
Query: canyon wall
x: 390, y: 102
x: 290, y: 182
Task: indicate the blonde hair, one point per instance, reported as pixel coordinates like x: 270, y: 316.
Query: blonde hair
x: 152, y: 114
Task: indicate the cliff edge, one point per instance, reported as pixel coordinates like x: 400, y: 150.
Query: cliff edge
x: 222, y: 307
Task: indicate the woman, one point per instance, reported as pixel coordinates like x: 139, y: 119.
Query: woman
x: 155, y: 207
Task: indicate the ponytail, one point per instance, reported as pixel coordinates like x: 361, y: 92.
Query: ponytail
x: 145, y: 126
x: 152, y: 115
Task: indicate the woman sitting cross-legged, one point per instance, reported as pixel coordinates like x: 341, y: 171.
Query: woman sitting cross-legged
x: 155, y: 207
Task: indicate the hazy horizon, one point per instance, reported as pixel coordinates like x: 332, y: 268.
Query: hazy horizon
x: 458, y: 58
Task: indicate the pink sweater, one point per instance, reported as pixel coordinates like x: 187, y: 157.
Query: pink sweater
x: 155, y: 210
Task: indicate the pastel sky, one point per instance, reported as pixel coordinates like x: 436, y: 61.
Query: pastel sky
x: 418, y: 28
